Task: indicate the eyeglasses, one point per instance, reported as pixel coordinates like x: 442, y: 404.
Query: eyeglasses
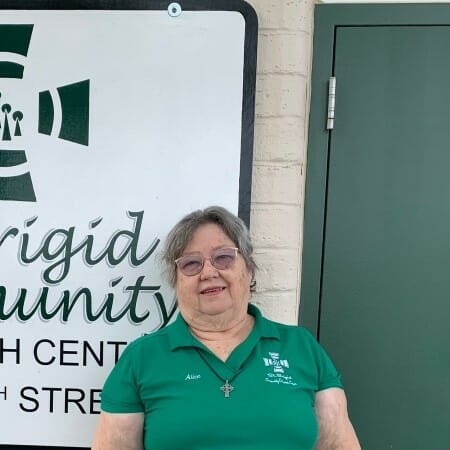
x: 221, y: 259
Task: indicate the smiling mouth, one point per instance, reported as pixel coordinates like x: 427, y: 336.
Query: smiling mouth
x: 212, y: 291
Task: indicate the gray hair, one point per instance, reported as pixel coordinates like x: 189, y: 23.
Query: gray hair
x: 180, y: 235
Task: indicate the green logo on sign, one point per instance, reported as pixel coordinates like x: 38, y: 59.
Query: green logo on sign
x: 74, y: 100
x: 75, y: 112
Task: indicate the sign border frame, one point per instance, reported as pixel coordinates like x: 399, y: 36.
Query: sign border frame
x: 248, y: 91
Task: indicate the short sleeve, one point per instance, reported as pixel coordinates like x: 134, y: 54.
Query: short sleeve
x: 120, y: 392
x: 327, y: 374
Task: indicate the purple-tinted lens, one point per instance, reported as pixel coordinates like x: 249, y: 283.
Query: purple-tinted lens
x: 223, y: 258
x: 190, y: 265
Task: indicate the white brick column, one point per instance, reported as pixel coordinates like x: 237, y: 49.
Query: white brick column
x: 282, y: 105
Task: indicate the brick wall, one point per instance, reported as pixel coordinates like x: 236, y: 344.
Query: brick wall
x: 282, y: 103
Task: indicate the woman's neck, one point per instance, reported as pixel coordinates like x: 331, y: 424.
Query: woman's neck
x: 223, y: 331
x: 222, y: 342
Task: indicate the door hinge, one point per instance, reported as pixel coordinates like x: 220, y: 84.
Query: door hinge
x: 331, y: 102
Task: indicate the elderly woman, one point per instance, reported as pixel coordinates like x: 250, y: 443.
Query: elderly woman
x: 221, y: 376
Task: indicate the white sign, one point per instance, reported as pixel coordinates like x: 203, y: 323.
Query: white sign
x: 114, y: 124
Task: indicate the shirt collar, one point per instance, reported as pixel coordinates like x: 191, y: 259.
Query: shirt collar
x: 180, y: 336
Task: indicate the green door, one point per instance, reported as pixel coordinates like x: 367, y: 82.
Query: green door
x: 376, y: 277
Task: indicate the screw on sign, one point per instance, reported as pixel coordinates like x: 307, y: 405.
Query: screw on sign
x: 174, y: 9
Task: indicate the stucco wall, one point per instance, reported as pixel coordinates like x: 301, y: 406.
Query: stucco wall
x: 282, y: 102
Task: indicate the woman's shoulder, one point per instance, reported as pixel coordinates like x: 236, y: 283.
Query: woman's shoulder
x: 295, y: 335
x: 151, y: 340
x: 289, y: 329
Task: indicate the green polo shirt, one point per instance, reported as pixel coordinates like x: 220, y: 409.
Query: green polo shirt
x: 176, y: 382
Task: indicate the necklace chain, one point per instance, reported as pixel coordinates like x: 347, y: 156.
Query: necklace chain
x: 226, y: 388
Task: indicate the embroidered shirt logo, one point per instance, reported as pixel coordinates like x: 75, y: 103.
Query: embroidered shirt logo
x: 276, y: 362
x: 278, y: 376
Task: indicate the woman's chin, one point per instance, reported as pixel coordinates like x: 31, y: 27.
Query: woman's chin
x: 215, y: 305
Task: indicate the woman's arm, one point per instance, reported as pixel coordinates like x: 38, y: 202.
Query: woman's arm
x: 335, y: 429
x: 119, y: 432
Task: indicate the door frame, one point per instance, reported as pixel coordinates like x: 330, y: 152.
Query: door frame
x: 327, y: 19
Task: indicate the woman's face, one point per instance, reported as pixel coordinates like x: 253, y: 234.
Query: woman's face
x: 213, y: 292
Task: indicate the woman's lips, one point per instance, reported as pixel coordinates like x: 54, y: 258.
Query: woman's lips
x: 212, y: 290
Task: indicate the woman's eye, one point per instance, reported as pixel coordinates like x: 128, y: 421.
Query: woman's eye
x: 223, y: 259
x: 191, y: 264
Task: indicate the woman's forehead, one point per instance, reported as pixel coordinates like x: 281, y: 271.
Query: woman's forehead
x: 210, y: 235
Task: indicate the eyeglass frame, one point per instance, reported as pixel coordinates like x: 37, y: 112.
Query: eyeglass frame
x: 203, y: 258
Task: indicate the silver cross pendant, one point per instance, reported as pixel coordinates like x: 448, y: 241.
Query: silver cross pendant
x: 226, y: 389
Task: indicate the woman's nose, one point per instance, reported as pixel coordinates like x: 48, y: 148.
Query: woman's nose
x: 208, y: 270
